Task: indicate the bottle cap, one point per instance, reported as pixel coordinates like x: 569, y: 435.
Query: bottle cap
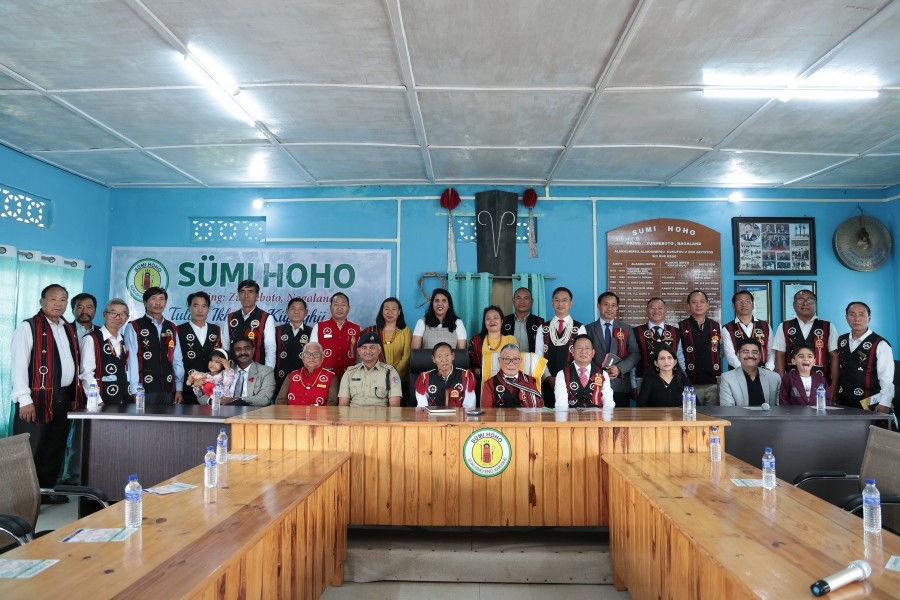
x: 870, y: 482
x: 210, y: 448
x: 768, y: 450
x: 132, y: 477
x: 715, y: 429
x: 222, y: 430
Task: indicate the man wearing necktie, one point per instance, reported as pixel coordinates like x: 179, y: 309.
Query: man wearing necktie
x: 615, y: 345
x: 581, y: 383
x: 648, y: 336
x: 254, y: 383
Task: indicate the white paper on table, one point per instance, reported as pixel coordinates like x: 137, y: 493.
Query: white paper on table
x: 24, y: 568
x: 170, y: 488
x: 101, y: 535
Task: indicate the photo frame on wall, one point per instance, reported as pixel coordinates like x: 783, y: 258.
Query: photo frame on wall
x: 761, y: 290
x: 774, y: 245
x: 788, y: 289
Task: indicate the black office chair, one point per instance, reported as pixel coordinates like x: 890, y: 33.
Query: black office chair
x: 420, y: 361
x: 881, y: 462
x: 20, y: 492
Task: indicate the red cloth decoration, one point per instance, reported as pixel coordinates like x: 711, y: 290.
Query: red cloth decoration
x: 450, y: 199
x: 529, y: 198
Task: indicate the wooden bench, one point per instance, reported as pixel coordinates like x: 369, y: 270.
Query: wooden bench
x: 277, y: 529
x: 679, y: 528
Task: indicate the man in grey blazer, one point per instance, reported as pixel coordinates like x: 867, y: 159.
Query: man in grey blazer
x: 254, y: 383
x: 749, y: 385
x: 611, y: 336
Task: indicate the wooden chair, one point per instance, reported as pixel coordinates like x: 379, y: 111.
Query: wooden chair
x: 20, y: 492
x: 881, y: 462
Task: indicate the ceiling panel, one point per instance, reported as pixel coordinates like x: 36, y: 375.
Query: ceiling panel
x: 850, y: 126
x: 492, y: 163
x: 116, y: 167
x: 85, y: 44
x: 675, y: 117
x: 336, y: 114
x: 630, y: 164
x: 752, y: 168
x: 236, y: 165
x: 346, y: 41
x: 881, y: 171
x: 512, y: 42
x: 166, y: 117
x: 495, y: 90
x: 341, y: 163
x: 8, y: 83
x: 31, y: 122
x: 686, y: 43
x: 500, y: 118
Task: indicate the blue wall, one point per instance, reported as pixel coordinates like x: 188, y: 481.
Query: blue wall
x: 88, y: 220
x: 79, y: 223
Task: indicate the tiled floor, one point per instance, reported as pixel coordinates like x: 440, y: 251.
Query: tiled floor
x: 403, y: 590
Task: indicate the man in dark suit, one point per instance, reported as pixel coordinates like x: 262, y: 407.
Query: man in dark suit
x: 613, y: 337
x: 523, y: 325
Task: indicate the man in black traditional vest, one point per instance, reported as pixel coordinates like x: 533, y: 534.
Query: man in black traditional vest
x: 44, y: 381
x: 290, y: 340
x: 104, y: 359
x: 154, y: 356
x: 649, y: 336
x: 807, y: 328
x: 197, y: 339
x: 524, y: 326
x: 251, y: 322
x: 867, y: 364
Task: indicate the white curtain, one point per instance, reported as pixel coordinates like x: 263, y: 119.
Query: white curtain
x: 28, y: 272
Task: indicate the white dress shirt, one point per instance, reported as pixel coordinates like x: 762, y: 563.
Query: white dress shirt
x: 884, y: 368
x: 780, y: 343
x: 22, y: 347
x: 268, y: 338
x: 88, y: 358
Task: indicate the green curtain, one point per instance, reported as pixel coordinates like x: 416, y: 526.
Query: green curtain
x: 8, y: 268
x: 471, y: 294
x: 535, y: 284
x: 28, y: 272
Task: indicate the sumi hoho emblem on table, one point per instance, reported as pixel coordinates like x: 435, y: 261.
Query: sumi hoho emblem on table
x: 487, y: 452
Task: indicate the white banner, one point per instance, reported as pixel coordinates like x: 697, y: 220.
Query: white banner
x: 312, y: 274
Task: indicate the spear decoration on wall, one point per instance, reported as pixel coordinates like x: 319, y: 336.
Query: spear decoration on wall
x: 529, y: 199
x: 449, y: 201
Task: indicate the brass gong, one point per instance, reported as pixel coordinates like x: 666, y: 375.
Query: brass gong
x: 862, y: 243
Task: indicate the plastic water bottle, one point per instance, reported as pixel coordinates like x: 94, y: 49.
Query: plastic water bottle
x: 692, y: 402
x: 216, y: 401
x: 139, y: 397
x: 222, y: 447
x: 133, y: 508
x: 871, y: 507
x: 715, y: 445
x: 820, y: 397
x: 685, y: 404
x: 93, y: 397
x: 768, y: 470
x: 210, y: 470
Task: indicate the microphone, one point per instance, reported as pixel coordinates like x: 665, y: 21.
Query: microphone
x: 855, y: 571
x: 764, y: 406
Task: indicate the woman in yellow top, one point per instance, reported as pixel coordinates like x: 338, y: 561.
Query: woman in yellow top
x: 488, y: 342
x: 390, y: 325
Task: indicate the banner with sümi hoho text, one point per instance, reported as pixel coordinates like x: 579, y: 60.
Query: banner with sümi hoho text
x: 312, y: 274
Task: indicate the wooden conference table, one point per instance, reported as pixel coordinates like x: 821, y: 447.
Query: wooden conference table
x: 277, y: 529
x: 407, y: 466
x: 684, y: 530
x: 158, y: 443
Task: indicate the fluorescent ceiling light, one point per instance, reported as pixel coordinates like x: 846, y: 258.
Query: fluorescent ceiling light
x: 224, y: 91
x: 786, y: 94
x: 735, y: 197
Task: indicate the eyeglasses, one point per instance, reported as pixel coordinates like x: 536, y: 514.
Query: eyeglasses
x: 510, y: 361
x: 805, y: 300
x: 311, y: 354
x: 743, y: 302
x: 116, y: 315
